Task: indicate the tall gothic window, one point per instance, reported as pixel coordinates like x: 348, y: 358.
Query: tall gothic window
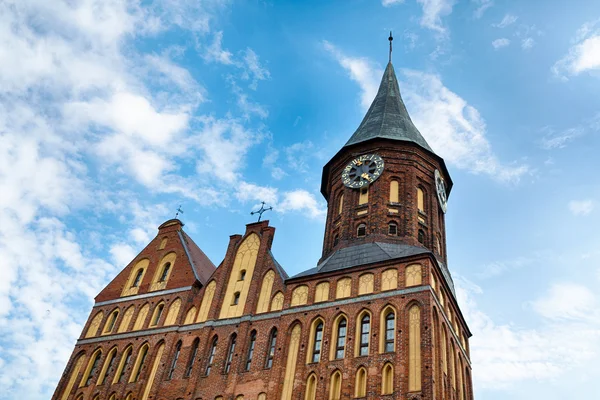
x: 175, y: 358
x: 230, y: 353
x: 93, y: 367
x: 157, y: 313
x: 250, y: 350
x: 365, y: 330
x: 211, y: 356
x: 110, y: 325
x: 318, y: 342
x: 390, y: 323
x: 360, y: 386
x: 165, y: 272
x: 125, y: 358
x: 141, y: 358
x: 387, y: 379
x: 138, y: 278
x: 193, y: 353
x: 340, y: 345
x: 271, y: 352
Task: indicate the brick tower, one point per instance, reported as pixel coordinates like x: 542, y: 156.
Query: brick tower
x: 376, y: 318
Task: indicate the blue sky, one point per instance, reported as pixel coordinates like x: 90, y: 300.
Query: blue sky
x: 113, y: 113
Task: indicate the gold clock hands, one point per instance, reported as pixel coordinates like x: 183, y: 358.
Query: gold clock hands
x: 367, y: 177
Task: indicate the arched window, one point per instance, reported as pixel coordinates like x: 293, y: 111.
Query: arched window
x: 421, y: 236
x: 125, y: 358
x: 420, y: 200
x: 126, y: 320
x: 250, y: 350
x: 322, y: 292
x: 141, y: 317
x: 299, y: 296
x: 277, y: 302
x: 387, y: 379
x: 389, y: 279
x: 271, y: 352
x: 211, y: 356
x: 110, y: 323
x: 311, y: 387
x: 262, y: 396
x: 138, y: 278
x: 291, y: 362
x: 394, y: 192
x: 341, y: 204
x: 360, y: 387
x: 173, y: 313
x: 387, y: 330
x: 340, y: 331
x: 73, y: 377
x: 153, y: 370
x: 392, y: 229
x: 139, y: 363
x: 438, y: 244
x: 361, y: 231
x: 317, y: 341
x: 236, y: 299
x: 335, y: 389
x: 165, y: 272
x: 413, y: 275
x: 242, y: 275
x: 365, y: 283
x: 264, y: 295
x: 108, y: 366
x: 190, y: 316
x: 414, y: 349
x: 230, y: 353
x: 175, y: 359
x: 157, y: 313
x: 193, y: 353
x: 129, y: 396
x: 113, y: 397
x: 94, y: 325
x: 91, y: 369
x: 363, y: 332
x: 163, y: 243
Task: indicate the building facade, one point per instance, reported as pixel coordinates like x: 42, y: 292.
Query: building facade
x: 377, y: 318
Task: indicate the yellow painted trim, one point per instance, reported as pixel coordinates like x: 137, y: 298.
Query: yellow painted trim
x: 343, y: 288
x: 335, y: 388
x: 157, y: 314
x: 393, y: 210
x: 277, y: 302
x: 160, y: 285
x: 94, y: 325
x: 290, y: 366
x: 142, y: 354
x: 413, y: 275
x: 311, y: 387
x: 102, y: 375
x: 127, y: 289
x: 363, y: 197
x: 360, y: 384
x: 141, y: 317
x: 394, y: 191
x: 322, y: 292
x: 414, y: 349
x: 383, y: 326
x: 74, y: 373
x: 173, y: 312
x: 387, y: 379
x: 126, y: 320
x: 245, y: 259
x: 207, y: 299
x: 389, y: 279
x: 299, y: 296
x: 128, y: 349
x: 163, y: 243
x: 107, y: 328
x: 155, y: 365
x: 362, y: 212
x: 366, y: 283
x: 88, y: 369
x: 265, y: 292
x: 190, y: 316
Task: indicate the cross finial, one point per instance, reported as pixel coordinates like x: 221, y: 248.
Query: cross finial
x: 390, y: 39
x: 261, y: 211
x: 179, y: 211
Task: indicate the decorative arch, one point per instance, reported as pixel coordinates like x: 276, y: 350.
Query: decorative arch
x: 265, y: 292
x: 136, y: 277
x: 175, y: 359
x: 292, y: 358
x: 277, y: 302
x: 414, y: 348
x: 211, y: 355
x: 387, y: 379
x: 311, y: 387
x: 360, y: 386
x: 230, y: 352
x: 299, y: 296
x: 245, y: 259
x: 389, y: 279
x: 262, y: 396
x: 335, y: 385
x: 155, y: 365
x: 413, y: 275
x: 343, y: 288
x: 92, y: 368
x: 387, y: 329
x: 190, y: 316
x: 129, y: 396
x: 365, y: 283
x: 315, y: 340
x: 94, y: 325
x: 173, y: 312
x: 207, y: 299
x: 141, y: 317
x: 163, y: 271
x: 157, y: 314
x: 126, y: 320
x: 123, y: 364
x: 362, y: 343
x: 76, y: 367
x: 139, y: 363
x: 339, y: 335
x: 271, y: 349
x: 193, y: 354
x: 113, y: 396
x: 322, y: 292
x: 111, y: 321
x: 107, y: 368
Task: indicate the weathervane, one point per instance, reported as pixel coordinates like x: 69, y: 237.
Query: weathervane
x: 261, y: 211
x: 390, y: 39
x: 179, y: 211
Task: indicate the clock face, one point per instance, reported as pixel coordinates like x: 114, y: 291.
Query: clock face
x: 362, y: 171
x: 440, y: 188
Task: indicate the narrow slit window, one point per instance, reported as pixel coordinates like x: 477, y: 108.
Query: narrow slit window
x: 365, y: 331
x: 390, y: 323
x: 236, y: 299
x: 250, y: 350
x: 193, y: 353
x: 271, y: 353
x: 127, y: 358
x: 211, y: 357
x: 165, y: 272
x: 175, y: 359
x: 340, y: 346
x: 336, y: 240
x: 316, y: 355
x: 157, y: 314
x: 138, y: 370
x: 242, y: 275
x: 94, y: 368
x: 230, y: 353
x: 111, y: 322
x: 138, y: 278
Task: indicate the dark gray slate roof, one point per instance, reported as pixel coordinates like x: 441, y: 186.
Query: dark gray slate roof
x: 387, y: 117
x: 370, y: 253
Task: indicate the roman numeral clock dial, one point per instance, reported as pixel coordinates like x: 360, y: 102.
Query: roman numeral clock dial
x: 362, y: 171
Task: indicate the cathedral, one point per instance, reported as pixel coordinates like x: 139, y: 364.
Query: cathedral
x: 375, y: 318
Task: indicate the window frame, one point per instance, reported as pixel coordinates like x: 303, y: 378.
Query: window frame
x: 250, y: 353
x: 230, y: 352
x: 272, y: 347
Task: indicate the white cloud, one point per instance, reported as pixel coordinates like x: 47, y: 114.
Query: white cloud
x: 453, y: 128
x: 482, y: 7
x: 560, y: 140
x: 584, y: 55
x: 216, y: 53
x: 499, y: 43
x: 433, y: 11
x: 581, y: 207
x: 388, y: 3
x: 361, y: 70
x: 254, y: 71
x: 301, y: 200
x: 251, y: 192
x: 567, y: 301
x: 506, y: 21
x: 527, y: 43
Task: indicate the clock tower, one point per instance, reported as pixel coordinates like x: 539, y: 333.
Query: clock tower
x: 386, y: 185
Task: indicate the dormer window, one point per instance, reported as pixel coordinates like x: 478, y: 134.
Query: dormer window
x: 392, y: 229
x: 361, y: 231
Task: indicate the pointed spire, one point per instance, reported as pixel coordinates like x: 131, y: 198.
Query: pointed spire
x: 387, y: 117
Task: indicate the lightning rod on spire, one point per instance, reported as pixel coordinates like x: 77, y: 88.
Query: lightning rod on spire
x: 390, y: 39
